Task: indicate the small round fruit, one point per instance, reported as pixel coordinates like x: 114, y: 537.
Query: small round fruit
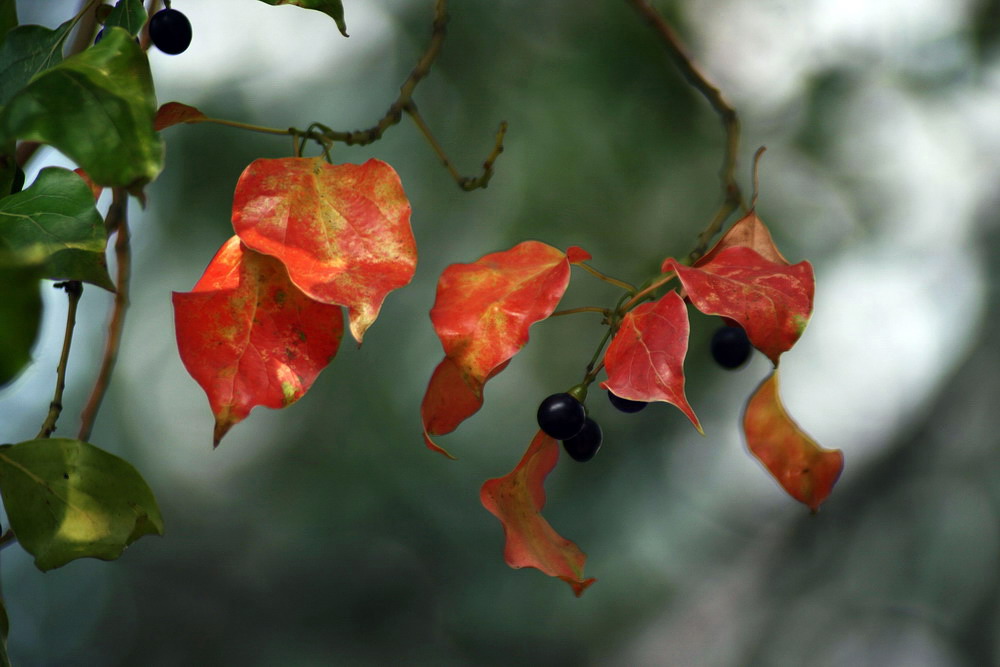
x: 582, y: 446
x: 625, y: 404
x: 170, y: 31
x: 561, y: 416
x: 730, y: 347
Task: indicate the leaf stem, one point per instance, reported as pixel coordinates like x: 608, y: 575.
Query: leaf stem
x: 467, y: 183
x: 645, y: 292
x: 74, y: 290
x: 732, y: 198
x: 628, y: 287
x: 116, y: 222
x: 582, y: 309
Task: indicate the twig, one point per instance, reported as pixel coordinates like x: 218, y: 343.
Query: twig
x: 628, y: 287
x: 74, y: 290
x: 116, y: 222
x: 732, y: 198
x: 467, y: 183
x: 582, y: 309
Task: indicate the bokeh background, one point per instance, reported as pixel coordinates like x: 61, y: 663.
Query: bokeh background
x: 326, y: 534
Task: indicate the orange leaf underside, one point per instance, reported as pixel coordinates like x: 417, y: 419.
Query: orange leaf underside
x: 482, y: 313
x: 771, y: 301
x: 517, y: 499
x: 342, y: 231
x: 803, y: 468
x: 249, y: 337
x: 749, y: 232
x: 173, y: 113
x: 645, y: 360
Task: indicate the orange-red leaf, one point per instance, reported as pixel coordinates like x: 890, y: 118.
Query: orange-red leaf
x: 517, y: 500
x: 173, y: 113
x: 803, y: 468
x: 771, y: 301
x: 249, y: 337
x: 748, y: 232
x: 342, y: 231
x: 645, y: 361
x: 481, y: 314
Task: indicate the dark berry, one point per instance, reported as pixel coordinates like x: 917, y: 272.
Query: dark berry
x: 561, y: 416
x: 626, y: 405
x: 170, y: 31
x: 731, y: 347
x: 582, y: 446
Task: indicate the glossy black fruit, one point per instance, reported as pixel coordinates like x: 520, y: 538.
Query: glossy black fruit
x: 730, y: 347
x: 561, y: 416
x: 170, y: 31
x: 582, y: 446
x: 626, y: 405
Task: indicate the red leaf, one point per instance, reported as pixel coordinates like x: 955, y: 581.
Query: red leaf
x: 645, y: 361
x: 342, y: 231
x: 748, y: 232
x: 575, y: 254
x: 481, y: 314
x: 173, y: 113
x: 517, y: 500
x: 803, y: 468
x: 772, y: 302
x: 249, y: 337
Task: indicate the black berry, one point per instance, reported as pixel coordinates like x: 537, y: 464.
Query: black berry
x: 561, y: 416
x: 582, y: 446
x: 170, y: 31
x: 730, y: 347
x: 626, y: 405
x: 18, y: 183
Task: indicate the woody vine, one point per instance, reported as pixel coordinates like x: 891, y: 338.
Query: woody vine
x: 313, y: 239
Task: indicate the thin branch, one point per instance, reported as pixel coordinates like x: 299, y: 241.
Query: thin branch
x: 467, y: 183
x: 628, y: 287
x: 732, y: 198
x: 74, y: 290
x: 116, y: 222
x: 582, y: 309
x: 646, y: 292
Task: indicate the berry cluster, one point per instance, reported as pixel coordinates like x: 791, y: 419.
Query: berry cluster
x: 563, y: 417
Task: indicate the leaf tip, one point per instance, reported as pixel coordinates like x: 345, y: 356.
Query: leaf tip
x: 433, y: 446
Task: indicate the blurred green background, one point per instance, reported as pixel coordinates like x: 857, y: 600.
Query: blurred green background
x: 326, y: 534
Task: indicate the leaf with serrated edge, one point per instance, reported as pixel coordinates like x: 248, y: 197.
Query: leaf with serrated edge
x: 803, y: 468
x: 56, y: 218
x: 173, y: 113
x: 249, y: 337
x: 97, y: 108
x: 645, y: 360
x: 517, y: 499
x: 772, y: 302
x: 342, y: 231
x: 482, y: 313
x: 332, y: 8
x: 67, y: 499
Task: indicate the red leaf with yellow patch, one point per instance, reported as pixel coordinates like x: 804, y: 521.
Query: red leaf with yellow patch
x: 249, y: 337
x: 645, y: 360
x: 517, y: 500
x: 342, y: 231
x: 771, y: 301
x: 803, y: 468
x: 481, y: 314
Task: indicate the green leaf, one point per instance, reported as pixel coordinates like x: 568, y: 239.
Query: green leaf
x: 332, y: 8
x: 28, y: 50
x: 67, y: 499
x: 20, y: 312
x: 56, y: 217
x: 8, y: 16
x: 97, y: 107
x: 129, y: 14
